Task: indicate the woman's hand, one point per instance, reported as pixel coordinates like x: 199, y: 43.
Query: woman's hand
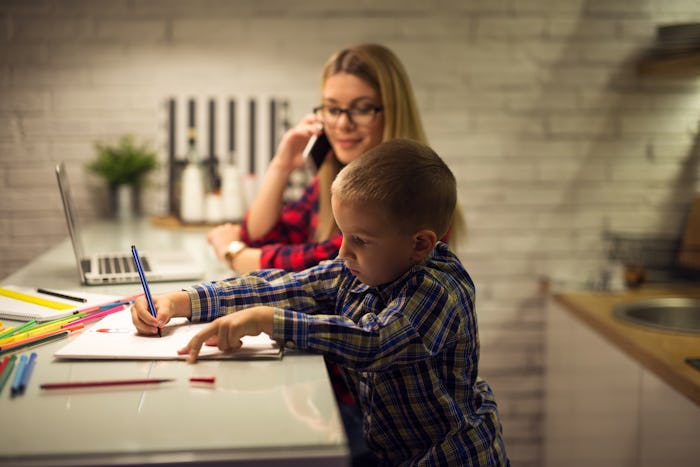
x: 265, y: 211
x: 226, y: 332
x: 167, y: 306
x: 289, y: 155
x: 221, y: 236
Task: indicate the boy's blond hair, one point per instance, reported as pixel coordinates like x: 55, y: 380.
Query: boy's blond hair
x: 406, y: 178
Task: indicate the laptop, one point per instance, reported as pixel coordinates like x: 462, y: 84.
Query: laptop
x: 119, y: 268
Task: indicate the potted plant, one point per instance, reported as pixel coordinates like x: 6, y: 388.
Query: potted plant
x: 124, y: 166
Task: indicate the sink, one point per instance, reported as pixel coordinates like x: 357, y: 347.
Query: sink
x: 671, y: 314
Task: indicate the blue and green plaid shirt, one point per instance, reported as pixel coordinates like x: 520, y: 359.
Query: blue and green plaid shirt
x: 409, y: 351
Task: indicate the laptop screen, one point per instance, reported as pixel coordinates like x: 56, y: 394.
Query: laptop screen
x: 71, y: 220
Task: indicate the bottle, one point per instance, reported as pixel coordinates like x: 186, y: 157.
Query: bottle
x: 192, y: 196
x: 231, y: 191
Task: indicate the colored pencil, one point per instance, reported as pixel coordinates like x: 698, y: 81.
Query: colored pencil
x: 98, y: 383
x: 102, y: 306
x: 18, y: 330
x: 144, y: 284
x: 37, y: 331
x: 87, y: 318
x: 7, y: 371
x: 61, y: 295
x: 35, y: 300
x: 36, y: 340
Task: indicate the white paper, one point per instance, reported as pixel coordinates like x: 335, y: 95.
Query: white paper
x: 114, y: 337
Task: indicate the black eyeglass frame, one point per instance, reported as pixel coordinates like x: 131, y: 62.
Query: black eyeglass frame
x: 375, y: 110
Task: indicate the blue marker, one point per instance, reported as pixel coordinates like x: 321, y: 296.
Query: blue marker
x: 144, y: 284
x: 27, y: 373
x: 16, y: 383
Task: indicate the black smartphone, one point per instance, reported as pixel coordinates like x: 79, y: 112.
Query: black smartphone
x: 316, y: 150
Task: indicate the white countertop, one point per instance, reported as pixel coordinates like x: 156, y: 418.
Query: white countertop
x: 281, y: 411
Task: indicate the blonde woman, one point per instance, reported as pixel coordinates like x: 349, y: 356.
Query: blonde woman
x: 366, y: 98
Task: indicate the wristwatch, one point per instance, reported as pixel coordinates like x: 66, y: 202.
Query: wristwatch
x: 233, y: 250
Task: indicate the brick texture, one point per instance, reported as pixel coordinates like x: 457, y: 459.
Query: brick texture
x: 536, y: 105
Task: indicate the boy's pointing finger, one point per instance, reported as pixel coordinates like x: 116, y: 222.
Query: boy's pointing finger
x: 195, y: 344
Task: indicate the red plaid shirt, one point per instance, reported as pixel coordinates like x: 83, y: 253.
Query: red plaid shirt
x: 290, y: 245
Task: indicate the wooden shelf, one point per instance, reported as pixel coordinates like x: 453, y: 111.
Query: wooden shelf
x: 682, y: 63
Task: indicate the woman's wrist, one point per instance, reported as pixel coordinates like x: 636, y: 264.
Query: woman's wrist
x: 248, y: 260
x: 233, y: 250
x: 279, y: 169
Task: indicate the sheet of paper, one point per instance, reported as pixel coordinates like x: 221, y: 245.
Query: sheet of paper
x: 25, y: 309
x: 115, y: 338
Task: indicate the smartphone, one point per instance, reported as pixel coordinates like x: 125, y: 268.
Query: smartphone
x: 316, y: 150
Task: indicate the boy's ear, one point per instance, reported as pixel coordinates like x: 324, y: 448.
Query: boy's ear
x: 423, y: 243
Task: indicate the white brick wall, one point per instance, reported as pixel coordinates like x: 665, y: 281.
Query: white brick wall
x: 535, y: 104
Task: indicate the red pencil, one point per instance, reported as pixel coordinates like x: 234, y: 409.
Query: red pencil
x: 114, y: 382
x: 203, y: 379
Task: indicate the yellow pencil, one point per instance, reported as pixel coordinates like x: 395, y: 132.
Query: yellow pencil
x: 53, y: 323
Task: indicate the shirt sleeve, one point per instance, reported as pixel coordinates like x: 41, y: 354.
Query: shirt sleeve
x: 413, y: 327
x: 287, y: 245
x: 311, y: 291
x: 301, y: 256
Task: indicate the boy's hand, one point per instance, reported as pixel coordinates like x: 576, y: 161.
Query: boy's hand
x: 167, y: 307
x: 226, y: 332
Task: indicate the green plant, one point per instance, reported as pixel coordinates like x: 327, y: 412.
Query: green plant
x: 124, y: 163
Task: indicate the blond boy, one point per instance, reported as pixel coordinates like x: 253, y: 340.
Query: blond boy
x: 394, y: 310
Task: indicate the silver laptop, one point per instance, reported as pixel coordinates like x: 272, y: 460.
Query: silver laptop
x: 119, y: 268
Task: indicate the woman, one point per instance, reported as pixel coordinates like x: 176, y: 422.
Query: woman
x: 366, y: 98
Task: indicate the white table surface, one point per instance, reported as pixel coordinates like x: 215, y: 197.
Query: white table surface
x: 268, y: 412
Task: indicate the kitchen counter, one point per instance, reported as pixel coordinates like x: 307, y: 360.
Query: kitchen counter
x: 662, y: 352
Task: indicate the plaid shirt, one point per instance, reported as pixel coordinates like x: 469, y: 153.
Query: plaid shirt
x: 409, y: 351
x: 290, y: 244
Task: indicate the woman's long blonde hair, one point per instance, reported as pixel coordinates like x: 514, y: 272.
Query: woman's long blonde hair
x: 380, y: 68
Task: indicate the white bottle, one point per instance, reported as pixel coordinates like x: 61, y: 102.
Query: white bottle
x: 232, y: 192
x: 192, y: 194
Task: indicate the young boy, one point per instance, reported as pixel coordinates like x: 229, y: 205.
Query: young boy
x: 395, y: 311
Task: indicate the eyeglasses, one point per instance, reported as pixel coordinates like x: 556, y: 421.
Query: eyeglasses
x: 361, y: 116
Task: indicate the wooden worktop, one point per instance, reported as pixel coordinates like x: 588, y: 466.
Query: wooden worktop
x: 662, y: 352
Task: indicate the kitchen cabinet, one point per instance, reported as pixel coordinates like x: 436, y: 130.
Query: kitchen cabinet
x: 604, y: 408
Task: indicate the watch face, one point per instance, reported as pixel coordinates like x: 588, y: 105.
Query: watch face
x: 234, y: 248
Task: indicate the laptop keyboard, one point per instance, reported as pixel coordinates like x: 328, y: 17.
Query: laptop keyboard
x: 121, y: 264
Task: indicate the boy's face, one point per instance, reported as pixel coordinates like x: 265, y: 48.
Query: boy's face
x: 373, y: 248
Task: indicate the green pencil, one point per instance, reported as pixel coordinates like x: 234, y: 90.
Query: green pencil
x: 7, y: 332
x: 18, y: 329
x: 8, y: 371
